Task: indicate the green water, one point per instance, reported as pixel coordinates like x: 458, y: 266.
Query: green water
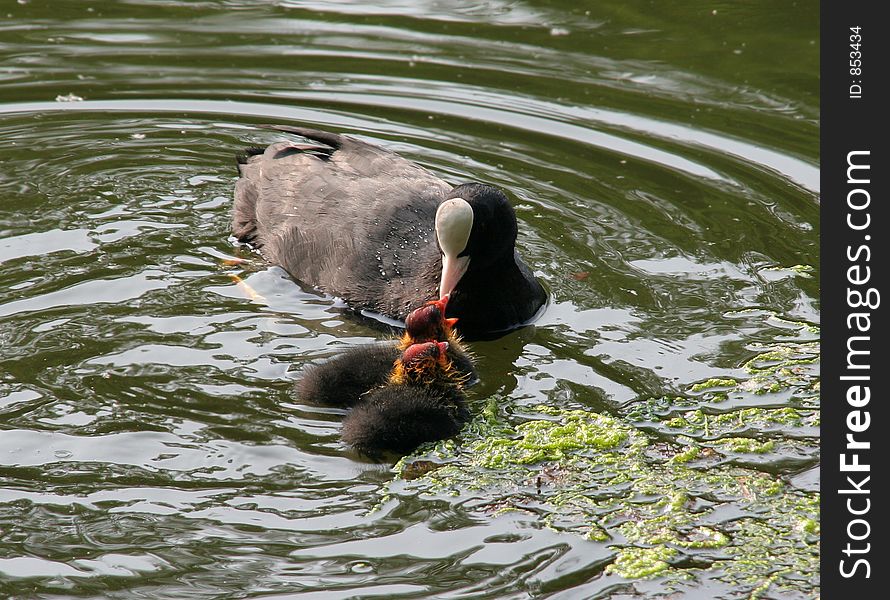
x: 663, y: 161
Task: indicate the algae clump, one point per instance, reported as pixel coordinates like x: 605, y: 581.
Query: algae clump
x: 542, y: 440
x: 636, y: 563
x: 666, y: 485
x: 651, y: 503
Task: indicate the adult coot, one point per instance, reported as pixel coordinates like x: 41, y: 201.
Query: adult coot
x: 383, y: 233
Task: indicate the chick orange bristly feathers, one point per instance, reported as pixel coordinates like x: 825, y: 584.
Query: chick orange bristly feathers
x: 428, y: 324
x: 422, y: 402
x: 425, y: 364
x: 342, y: 380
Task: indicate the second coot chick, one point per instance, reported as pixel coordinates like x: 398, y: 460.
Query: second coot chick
x: 423, y: 401
x: 342, y: 380
x: 428, y: 324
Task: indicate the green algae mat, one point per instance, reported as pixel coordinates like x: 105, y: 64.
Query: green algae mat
x: 679, y: 490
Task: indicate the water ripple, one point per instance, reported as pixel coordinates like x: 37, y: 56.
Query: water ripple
x: 151, y: 443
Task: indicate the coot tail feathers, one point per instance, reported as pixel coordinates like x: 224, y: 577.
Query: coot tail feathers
x: 244, y: 155
x: 334, y: 140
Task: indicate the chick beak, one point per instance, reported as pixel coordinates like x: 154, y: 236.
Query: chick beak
x: 441, y: 304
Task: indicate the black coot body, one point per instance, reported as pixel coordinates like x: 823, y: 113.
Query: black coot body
x: 359, y: 222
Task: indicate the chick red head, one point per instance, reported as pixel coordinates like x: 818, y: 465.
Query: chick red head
x: 418, y: 353
x: 422, y: 364
x: 429, y: 323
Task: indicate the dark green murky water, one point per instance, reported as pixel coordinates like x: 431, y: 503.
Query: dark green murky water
x: 663, y: 159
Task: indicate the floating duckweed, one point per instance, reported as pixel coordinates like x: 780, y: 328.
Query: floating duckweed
x: 637, y: 563
x: 746, y: 445
x: 676, y: 422
x: 697, y: 424
x: 547, y: 440
x: 784, y: 355
x: 704, y: 537
x: 781, y: 564
x: 715, y: 382
x: 597, y: 477
x: 761, y: 417
x: 810, y: 526
x: 778, y: 368
x: 596, y: 533
x: 775, y: 488
x: 677, y: 501
x: 690, y: 453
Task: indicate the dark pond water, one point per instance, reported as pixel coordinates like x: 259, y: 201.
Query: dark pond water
x: 663, y: 162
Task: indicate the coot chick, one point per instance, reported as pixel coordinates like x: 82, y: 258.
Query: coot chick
x: 423, y: 401
x: 362, y: 223
x: 429, y: 324
x: 342, y: 380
